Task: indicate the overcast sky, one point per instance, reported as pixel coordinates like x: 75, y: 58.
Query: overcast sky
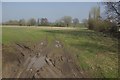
x: 50, y: 10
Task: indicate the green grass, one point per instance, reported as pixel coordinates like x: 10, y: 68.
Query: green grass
x: 96, y: 55
x: 11, y: 35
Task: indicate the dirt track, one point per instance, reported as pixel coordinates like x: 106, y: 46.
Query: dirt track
x: 39, y: 61
x: 0, y: 61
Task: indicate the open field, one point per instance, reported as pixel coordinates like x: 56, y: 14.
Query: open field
x: 61, y: 52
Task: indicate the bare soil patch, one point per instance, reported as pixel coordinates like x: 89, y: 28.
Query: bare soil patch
x: 40, y: 60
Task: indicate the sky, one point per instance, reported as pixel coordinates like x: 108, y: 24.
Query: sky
x: 0, y: 12
x: 51, y: 10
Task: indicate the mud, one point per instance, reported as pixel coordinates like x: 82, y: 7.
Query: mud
x: 39, y: 60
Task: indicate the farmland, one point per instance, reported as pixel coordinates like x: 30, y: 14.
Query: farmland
x: 82, y: 52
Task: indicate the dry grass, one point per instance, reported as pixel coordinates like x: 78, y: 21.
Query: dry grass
x: 47, y: 27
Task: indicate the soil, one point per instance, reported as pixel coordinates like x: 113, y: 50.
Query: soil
x: 40, y: 60
x: 0, y: 61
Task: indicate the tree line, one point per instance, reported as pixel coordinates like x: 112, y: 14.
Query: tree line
x: 110, y: 24
x: 30, y: 22
x: 65, y: 21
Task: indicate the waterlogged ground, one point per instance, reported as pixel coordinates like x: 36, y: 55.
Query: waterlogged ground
x: 30, y: 52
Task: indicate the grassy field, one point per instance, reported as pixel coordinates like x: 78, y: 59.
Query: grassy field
x: 96, y: 54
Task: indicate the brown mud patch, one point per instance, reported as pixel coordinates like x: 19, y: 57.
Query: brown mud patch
x: 40, y: 60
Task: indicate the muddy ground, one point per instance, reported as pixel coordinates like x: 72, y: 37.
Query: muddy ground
x: 39, y: 60
x: 0, y: 61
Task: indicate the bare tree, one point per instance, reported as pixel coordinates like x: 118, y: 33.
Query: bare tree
x: 11, y: 22
x: 113, y: 11
x: 38, y: 21
x: 22, y: 22
x: 75, y: 22
x: 32, y: 22
x: 44, y: 21
x: 67, y: 20
x: 59, y: 23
